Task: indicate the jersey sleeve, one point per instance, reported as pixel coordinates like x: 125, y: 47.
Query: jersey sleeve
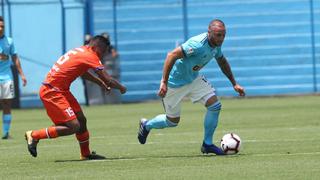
x: 219, y: 53
x: 95, y: 63
x: 190, y: 48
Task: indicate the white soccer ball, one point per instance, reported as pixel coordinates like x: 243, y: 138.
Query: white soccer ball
x: 230, y: 143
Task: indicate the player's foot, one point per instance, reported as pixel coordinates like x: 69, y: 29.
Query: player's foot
x: 92, y: 156
x: 6, y: 136
x: 143, y: 132
x: 32, y: 143
x: 206, y: 149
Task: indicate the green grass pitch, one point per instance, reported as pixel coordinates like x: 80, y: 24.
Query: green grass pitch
x: 280, y: 140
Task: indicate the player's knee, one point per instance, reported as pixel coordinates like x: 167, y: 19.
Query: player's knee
x: 215, y: 106
x: 172, y: 122
x: 83, y: 124
x: 75, y: 127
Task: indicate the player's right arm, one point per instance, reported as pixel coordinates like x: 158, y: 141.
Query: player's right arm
x: 171, y: 58
x: 109, y: 81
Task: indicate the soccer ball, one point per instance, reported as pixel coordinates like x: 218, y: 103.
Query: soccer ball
x: 230, y: 143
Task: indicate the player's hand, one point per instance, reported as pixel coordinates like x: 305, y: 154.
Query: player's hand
x: 123, y: 89
x: 239, y: 89
x: 106, y: 87
x: 24, y: 80
x: 163, y: 89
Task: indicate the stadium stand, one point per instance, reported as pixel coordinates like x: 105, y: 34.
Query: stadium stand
x: 273, y: 46
x: 268, y: 43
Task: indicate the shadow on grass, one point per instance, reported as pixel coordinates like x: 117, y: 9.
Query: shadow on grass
x: 141, y: 158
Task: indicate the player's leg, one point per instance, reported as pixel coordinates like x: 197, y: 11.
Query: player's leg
x: 61, y: 114
x: 172, y: 107
x: 205, y: 94
x: 65, y: 129
x: 159, y: 122
x: 213, y: 106
x: 165, y: 120
x: 83, y: 138
x: 60, y: 111
x: 6, y: 117
x: 7, y: 94
x: 83, y: 134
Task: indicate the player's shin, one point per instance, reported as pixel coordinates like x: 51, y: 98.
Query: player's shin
x: 46, y: 133
x: 160, y: 122
x: 6, y: 120
x: 211, y: 121
x: 83, y: 139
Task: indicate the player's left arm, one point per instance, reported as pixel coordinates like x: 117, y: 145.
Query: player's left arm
x: 16, y: 61
x: 90, y: 77
x: 226, y: 69
x: 109, y: 81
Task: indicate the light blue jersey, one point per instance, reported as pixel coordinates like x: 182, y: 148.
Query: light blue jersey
x: 197, y: 53
x: 6, y: 50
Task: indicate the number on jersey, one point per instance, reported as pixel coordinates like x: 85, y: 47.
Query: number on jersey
x: 65, y: 58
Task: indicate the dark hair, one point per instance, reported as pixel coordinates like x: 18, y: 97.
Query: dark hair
x: 100, y: 41
x: 1, y: 18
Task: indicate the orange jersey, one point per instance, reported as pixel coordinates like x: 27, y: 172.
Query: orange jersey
x: 72, y: 65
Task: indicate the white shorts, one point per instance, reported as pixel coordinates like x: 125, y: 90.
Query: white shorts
x: 200, y: 90
x: 7, y: 90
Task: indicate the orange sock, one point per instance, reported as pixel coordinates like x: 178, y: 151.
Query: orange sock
x: 83, y: 139
x: 46, y: 133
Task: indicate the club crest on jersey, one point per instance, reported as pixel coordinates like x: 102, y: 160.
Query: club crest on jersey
x: 190, y: 51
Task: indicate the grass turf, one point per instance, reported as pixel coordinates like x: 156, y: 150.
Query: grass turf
x: 280, y: 140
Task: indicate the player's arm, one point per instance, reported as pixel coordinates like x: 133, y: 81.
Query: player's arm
x: 109, y: 81
x: 226, y: 69
x: 16, y: 61
x: 90, y: 77
x: 171, y: 58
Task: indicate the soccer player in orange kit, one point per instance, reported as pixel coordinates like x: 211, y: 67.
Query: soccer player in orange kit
x: 62, y: 107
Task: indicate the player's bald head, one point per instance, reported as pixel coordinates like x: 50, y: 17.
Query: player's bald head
x: 216, y: 32
x: 216, y: 24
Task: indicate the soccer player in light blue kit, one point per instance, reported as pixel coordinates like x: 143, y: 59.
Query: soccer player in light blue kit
x: 181, y: 79
x: 6, y: 80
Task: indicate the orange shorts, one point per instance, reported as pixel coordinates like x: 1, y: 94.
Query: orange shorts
x: 61, y: 106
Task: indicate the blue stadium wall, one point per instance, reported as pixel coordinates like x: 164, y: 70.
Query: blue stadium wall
x: 42, y: 31
x: 273, y: 46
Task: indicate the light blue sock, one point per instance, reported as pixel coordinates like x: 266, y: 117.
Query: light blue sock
x: 211, y: 121
x: 159, y: 122
x: 6, y: 120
